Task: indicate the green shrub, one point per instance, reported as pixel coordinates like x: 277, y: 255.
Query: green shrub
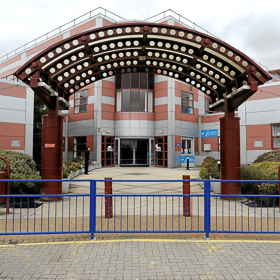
x: 269, y: 156
x: 22, y: 167
x: 264, y: 170
x: 270, y: 172
x: 250, y: 172
x: 209, y: 168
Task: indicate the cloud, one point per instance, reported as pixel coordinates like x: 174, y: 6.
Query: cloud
x: 251, y: 26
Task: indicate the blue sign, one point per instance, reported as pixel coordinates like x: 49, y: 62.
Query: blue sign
x: 184, y: 159
x: 209, y: 133
x: 178, y: 144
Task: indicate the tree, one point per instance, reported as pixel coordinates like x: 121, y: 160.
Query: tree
x: 40, y: 109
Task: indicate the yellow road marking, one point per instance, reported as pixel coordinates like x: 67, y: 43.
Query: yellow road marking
x: 141, y: 240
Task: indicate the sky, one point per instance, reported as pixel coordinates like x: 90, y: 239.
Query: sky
x: 251, y: 26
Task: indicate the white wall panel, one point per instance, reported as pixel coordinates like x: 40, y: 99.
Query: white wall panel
x: 214, y: 125
x: 263, y: 105
x: 29, y: 139
x: 12, y: 116
x: 201, y: 103
x: 29, y: 106
x: 66, y: 35
x: 263, y: 117
x: 108, y: 100
x: 10, y: 66
x: 161, y: 101
x: 12, y: 103
x: 91, y: 100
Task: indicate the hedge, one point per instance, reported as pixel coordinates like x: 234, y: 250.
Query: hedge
x: 22, y: 166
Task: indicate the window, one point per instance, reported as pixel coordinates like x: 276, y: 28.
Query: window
x: 135, y: 92
x: 208, y: 102
x: 80, y: 144
x: 276, y: 136
x: 187, y: 103
x: 80, y: 105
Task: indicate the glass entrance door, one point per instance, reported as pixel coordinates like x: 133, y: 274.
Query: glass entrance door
x: 134, y: 152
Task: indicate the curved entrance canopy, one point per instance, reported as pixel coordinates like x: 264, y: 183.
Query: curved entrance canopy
x: 214, y: 67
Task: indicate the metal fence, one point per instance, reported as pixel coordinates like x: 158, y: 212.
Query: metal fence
x: 97, y: 212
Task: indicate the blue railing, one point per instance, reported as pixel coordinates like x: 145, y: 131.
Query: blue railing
x: 133, y: 212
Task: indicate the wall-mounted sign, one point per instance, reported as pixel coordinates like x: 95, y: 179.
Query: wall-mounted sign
x: 109, y: 149
x: 15, y: 143
x: 178, y: 144
x: 184, y: 159
x: 49, y: 145
x: 209, y: 133
x: 258, y: 144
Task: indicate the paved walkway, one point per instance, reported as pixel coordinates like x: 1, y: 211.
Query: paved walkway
x: 140, y: 256
x: 139, y: 260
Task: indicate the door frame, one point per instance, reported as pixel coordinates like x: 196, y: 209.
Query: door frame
x: 185, y: 138
x: 133, y: 139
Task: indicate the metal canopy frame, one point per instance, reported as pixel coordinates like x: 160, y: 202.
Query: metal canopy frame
x: 228, y: 76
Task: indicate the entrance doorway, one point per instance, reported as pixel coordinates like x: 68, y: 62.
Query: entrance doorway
x: 134, y: 152
x: 187, y: 151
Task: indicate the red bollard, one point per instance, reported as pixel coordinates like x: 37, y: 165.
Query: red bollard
x: 186, y: 199
x: 2, y: 186
x: 108, y: 200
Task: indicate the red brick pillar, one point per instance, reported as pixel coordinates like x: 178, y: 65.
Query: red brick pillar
x: 108, y: 200
x: 186, y: 200
x: 52, y: 152
x: 230, y: 153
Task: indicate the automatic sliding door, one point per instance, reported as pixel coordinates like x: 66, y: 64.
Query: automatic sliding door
x: 127, y: 151
x: 141, y: 152
x: 134, y: 152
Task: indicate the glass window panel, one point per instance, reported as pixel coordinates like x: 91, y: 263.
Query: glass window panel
x: 150, y: 101
x: 76, y: 110
x: 83, y: 108
x: 118, y: 81
x: 77, y: 95
x: 143, y: 80
x: 83, y: 101
x: 134, y: 100
x: 126, y: 101
x: 276, y: 142
x: 151, y: 81
x: 143, y: 100
x: 276, y: 130
x: 83, y: 93
x: 119, y: 101
x: 77, y: 102
x: 187, y: 95
x: 187, y: 102
x: 135, y: 80
x: 126, y: 80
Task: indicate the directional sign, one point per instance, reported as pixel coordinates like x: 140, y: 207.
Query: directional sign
x: 209, y: 133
